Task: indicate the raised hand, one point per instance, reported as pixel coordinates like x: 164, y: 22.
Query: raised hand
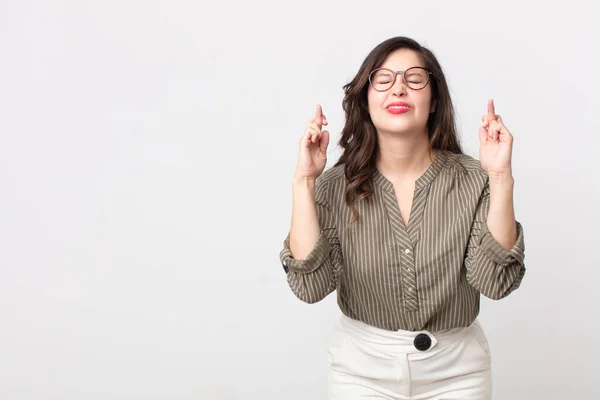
x: 312, y: 155
x: 495, y: 144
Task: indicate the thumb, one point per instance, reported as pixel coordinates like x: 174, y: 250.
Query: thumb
x: 324, y: 142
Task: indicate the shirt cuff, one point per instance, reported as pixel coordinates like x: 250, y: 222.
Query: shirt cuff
x: 317, y: 256
x: 497, y: 253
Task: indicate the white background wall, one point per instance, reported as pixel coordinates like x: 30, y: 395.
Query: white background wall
x: 146, y: 156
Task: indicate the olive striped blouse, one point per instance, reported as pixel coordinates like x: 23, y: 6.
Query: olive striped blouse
x: 428, y: 275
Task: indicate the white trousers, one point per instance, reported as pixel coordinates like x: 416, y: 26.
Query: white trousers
x: 366, y: 362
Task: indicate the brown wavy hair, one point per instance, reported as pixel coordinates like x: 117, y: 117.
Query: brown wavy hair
x: 359, y: 137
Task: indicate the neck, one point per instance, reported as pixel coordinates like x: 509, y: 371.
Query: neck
x: 404, y: 157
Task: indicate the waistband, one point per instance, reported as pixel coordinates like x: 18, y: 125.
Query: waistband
x: 400, y: 339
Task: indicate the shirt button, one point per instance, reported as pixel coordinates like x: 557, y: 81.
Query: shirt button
x: 407, y: 269
x: 407, y: 251
x: 410, y: 290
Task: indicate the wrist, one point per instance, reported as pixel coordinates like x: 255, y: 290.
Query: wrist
x: 501, y: 178
x: 303, y: 182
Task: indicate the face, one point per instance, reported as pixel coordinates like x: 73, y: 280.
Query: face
x: 415, y: 105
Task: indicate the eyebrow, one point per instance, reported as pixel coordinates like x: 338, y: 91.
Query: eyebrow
x: 392, y: 69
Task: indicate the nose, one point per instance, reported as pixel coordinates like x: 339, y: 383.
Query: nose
x: 398, y: 87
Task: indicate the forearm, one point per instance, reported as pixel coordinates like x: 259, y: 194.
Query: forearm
x: 305, y: 229
x: 501, y: 217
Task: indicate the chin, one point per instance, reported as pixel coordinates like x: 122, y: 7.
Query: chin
x: 397, y: 128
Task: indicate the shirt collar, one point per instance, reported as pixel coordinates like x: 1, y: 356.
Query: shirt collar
x: 429, y: 175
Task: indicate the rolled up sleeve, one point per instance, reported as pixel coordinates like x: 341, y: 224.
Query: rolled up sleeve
x: 314, y: 277
x: 317, y: 257
x: 491, y: 269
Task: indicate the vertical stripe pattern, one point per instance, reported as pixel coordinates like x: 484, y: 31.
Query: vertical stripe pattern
x: 427, y: 275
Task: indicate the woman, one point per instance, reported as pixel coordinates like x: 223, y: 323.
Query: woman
x: 408, y: 230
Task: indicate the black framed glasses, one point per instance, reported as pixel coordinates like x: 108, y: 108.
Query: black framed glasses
x: 415, y: 78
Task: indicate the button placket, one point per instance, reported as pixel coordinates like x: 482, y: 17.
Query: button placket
x: 404, y: 242
x: 409, y: 280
